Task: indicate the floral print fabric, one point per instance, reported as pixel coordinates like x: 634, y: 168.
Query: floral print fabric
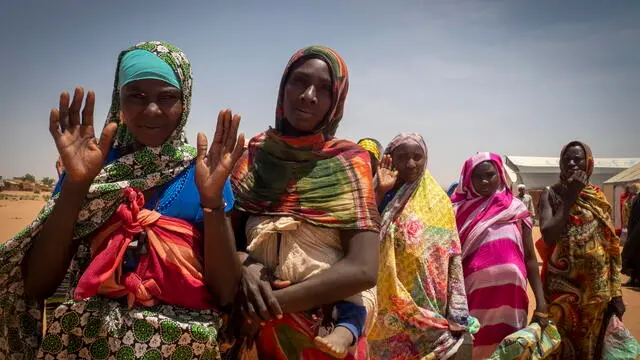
x: 422, y: 306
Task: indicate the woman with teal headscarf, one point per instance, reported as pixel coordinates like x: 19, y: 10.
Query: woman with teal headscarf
x: 135, y: 238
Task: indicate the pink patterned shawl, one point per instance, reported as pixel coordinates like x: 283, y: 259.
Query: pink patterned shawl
x: 475, y: 214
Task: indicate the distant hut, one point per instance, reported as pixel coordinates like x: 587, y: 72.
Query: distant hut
x: 12, y: 185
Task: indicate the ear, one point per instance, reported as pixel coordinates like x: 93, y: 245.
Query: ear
x: 121, y: 117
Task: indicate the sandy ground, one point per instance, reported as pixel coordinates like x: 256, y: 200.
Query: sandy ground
x: 15, y: 214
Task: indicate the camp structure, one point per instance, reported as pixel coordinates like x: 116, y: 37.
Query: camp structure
x: 615, y: 186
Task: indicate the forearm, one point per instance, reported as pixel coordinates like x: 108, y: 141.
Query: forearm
x: 337, y: 283
x: 552, y: 230
x: 533, y: 275
x: 379, y: 196
x: 221, y: 264
x: 50, y: 255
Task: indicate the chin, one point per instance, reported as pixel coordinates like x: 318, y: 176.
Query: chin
x: 150, y: 142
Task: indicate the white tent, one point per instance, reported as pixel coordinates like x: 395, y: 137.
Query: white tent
x: 539, y: 172
x: 614, y: 187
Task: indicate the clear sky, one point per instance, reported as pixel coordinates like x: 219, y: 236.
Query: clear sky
x: 512, y: 77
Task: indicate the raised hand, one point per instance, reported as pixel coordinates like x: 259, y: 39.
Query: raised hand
x: 387, y: 176
x: 81, y: 153
x: 213, y: 167
x: 577, y: 181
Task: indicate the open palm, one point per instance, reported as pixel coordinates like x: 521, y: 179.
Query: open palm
x: 387, y: 176
x: 80, y: 152
x: 213, y: 167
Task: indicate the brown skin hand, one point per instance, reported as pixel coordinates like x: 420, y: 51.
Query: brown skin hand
x: 45, y: 264
x: 387, y: 178
x: 222, y: 269
x: 573, y: 180
x: 307, y: 101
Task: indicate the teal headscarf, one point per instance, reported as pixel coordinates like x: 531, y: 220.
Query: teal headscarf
x: 148, y: 167
x: 141, y: 64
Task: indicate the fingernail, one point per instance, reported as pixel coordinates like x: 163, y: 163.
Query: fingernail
x: 249, y: 321
x: 262, y: 324
x: 279, y: 316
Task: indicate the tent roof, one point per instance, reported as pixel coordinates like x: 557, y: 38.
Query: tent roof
x: 628, y: 175
x: 535, y: 161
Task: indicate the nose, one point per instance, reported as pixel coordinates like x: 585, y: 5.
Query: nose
x: 152, y: 109
x: 411, y: 164
x: 309, y: 95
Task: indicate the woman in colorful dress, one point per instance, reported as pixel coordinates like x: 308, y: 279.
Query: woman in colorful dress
x: 498, y: 255
x: 307, y: 207
x: 422, y: 306
x: 136, y: 227
x: 581, y: 256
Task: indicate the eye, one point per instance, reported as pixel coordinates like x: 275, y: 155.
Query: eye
x: 168, y: 98
x: 297, y: 80
x: 325, y: 88
x: 136, y: 96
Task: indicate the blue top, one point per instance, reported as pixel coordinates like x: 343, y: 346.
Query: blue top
x: 178, y: 198
x: 386, y: 200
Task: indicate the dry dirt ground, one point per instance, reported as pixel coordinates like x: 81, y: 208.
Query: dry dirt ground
x: 15, y: 214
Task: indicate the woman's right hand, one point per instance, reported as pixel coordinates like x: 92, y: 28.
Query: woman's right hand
x: 81, y: 153
x: 577, y: 181
x: 387, y: 176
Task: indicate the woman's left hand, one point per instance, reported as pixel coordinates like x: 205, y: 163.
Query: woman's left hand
x: 617, y: 306
x: 213, y: 167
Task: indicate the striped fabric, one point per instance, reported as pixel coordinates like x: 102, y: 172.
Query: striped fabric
x: 316, y: 178
x: 493, y: 260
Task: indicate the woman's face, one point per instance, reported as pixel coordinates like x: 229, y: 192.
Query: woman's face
x: 573, y: 159
x: 409, y: 160
x: 151, y: 109
x: 307, y: 95
x: 485, y: 179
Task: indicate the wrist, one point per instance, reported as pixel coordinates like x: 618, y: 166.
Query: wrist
x: 541, y: 309
x: 212, y: 203
x: 380, y: 191
x: 80, y: 188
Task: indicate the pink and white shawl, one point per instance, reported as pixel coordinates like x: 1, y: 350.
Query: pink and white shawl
x: 493, y: 260
x: 475, y: 213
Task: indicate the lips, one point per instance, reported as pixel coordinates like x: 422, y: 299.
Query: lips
x: 149, y: 127
x: 304, y: 111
